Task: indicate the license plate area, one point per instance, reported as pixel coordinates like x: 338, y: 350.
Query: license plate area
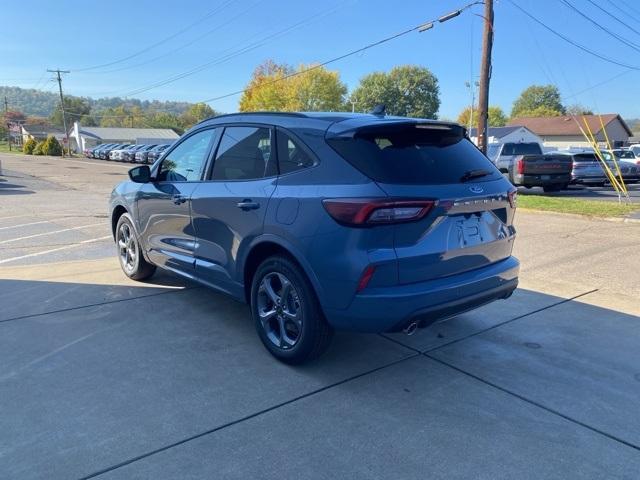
x: 469, y: 230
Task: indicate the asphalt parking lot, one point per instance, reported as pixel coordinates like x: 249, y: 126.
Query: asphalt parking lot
x: 104, y: 377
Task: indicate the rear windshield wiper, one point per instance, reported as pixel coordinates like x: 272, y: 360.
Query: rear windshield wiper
x: 471, y: 174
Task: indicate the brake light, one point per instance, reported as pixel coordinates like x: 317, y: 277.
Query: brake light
x: 363, y: 212
x: 513, y: 198
x: 520, y: 165
x: 366, y: 276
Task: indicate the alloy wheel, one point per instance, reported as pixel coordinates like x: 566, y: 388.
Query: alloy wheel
x: 127, y: 248
x: 280, y: 310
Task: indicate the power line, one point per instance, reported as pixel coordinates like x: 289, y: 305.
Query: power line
x: 225, y: 58
x: 208, y: 15
x: 601, y: 27
x: 599, y: 84
x: 622, y: 10
x: 185, y: 45
x: 575, y: 44
x: 333, y: 60
x: 630, y: 7
x: 607, y: 12
x: 351, y: 53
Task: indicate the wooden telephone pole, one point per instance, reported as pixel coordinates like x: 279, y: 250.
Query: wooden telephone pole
x: 58, y: 73
x: 6, y: 119
x: 485, y: 76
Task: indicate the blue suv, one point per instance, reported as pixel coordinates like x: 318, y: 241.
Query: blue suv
x: 323, y: 222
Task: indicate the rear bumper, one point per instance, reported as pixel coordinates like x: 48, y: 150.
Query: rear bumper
x: 392, y: 308
x: 539, y: 181
x: 586, y: 180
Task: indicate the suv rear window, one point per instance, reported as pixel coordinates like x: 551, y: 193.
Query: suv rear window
x: 413, y: 154
x: 585, y: 157
x: 530, y: 148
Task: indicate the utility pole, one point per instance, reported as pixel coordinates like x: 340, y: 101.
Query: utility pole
x: 64, y: 117
x: 6, y: 110
x: 485, y: 76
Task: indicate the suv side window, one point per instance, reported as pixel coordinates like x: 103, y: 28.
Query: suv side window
x: 185, y: 162
x: 291, y: 156
x: 244, y: 153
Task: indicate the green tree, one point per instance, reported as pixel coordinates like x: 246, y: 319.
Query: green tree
x: 543, y: 99
x: 541, y: 111
x: 28, y: 146
x: 279, y: 87
x: 165, y: 120
x: 407, y: 90
x: 577, y: 109
x: 497, y: 118
x: 196, y: 113
x: 52, y: 147
x: 39, y: 148
x: 74, y: 108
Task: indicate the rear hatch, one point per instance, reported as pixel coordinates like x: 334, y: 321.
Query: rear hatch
x: 549, y: 165
x: 470, y: 224
x: 587, y: 165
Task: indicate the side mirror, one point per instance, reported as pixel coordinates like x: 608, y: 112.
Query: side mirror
x: 141, y: 174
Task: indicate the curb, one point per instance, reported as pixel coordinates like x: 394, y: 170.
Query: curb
x: 583, y: 217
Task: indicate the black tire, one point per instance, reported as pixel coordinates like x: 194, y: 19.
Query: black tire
x: 132, y: 261
x: 310, y: 332
x: 552, y: 188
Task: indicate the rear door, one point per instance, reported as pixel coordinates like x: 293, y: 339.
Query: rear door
x: 164, y: 205
x: 228, y: 209
x: 471, y: 223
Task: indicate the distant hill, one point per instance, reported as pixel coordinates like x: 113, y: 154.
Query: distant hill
x: 40, y: 103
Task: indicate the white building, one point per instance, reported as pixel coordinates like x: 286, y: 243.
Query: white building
x: 564, y: 131
x: 86, y: 137
x: 510, y: 134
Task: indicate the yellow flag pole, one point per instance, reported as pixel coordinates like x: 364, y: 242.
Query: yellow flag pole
x: 594, y: 145
x: 613, y: 157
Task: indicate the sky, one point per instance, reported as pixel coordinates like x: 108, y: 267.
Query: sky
x: 118, y: 48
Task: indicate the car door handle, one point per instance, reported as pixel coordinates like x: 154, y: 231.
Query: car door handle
x: 247, y: 205
x: 179, y: 199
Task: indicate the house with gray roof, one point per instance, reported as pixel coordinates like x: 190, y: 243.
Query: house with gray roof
x: 86, y: 137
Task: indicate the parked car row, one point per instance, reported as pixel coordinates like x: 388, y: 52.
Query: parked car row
x: 126, y: 152
x: 525, y: 164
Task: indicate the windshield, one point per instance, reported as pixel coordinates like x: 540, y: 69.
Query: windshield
x: 413, y: 154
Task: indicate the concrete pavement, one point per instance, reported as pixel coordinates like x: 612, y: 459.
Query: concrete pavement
x: 104, y: 377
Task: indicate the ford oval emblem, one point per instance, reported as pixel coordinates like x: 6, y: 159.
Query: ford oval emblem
x: 476, y: 189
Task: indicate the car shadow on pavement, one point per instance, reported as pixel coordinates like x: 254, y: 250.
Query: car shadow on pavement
x: 7, y: 188
x: 93, y: 375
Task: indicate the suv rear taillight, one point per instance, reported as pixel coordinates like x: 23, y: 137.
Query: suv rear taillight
x: 363, y: 212
x: 520, y: 165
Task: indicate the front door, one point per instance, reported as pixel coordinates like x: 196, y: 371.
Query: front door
x: 164, y: 205
x: 228, y: 209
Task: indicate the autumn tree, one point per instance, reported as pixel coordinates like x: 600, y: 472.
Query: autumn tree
x: 280, y: 87
x: 194, y: 114
x: 74, y: 109
x: 407, y: 90
x: 538, y: 101
x: 497, y: 118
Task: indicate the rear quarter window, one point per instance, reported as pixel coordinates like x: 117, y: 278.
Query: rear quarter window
x: 410, y: 154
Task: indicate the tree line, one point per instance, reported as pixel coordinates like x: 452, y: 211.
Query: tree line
x: 406, y: 90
